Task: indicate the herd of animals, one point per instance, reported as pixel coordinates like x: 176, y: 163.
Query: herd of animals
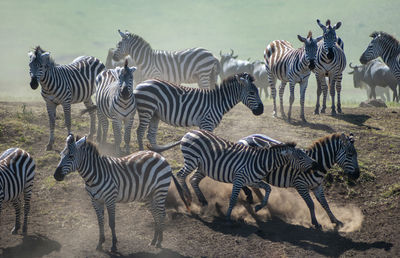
x: 256, y: 161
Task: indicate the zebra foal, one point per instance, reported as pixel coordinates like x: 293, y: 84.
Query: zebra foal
x: 327, y: 151
x: 64, y: 85
x: 234, y: 163
x: 183, y: 106
x: 288, y: 64
x: 141, y: 176
x: 192, y: 65
x: 17, y: 171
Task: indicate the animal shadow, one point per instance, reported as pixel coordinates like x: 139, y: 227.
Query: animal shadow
x: 31, y: 246
x: 163, y: 253
x: 314, y: 126
x: 354, y: 119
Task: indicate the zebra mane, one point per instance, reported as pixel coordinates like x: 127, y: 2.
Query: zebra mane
x: 38, y: 51
x: 92, y: 147
x: 326, y: 138
x: 392, y: 40
x: 283, y: 145
x: 141, y: 40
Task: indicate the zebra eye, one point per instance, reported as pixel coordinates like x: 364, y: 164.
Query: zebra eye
x: 71, y: 156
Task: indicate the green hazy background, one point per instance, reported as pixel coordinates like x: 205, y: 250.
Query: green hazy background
x: 72, y: 28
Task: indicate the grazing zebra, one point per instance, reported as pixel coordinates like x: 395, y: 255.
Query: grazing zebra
x: 331, y: 61
x: 65, y: 85
x: 288, y: 64
x: 183, y: 106
x: 141, y: 176
x: 115, y: 100
x: 230, y: 162
x: 193, y: 65
x: 17, y: 170
x: 327, y: 151
x: 387, y: 47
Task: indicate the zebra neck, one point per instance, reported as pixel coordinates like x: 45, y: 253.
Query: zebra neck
x: 324, y: 153
x: 93, y: 166
x: 226, y: 96
x: 48, y: 79
x: 269, y: 159
x: 390, y: 54
x: 143, y: 56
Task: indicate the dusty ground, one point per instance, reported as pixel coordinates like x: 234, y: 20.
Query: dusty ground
x: 63, y: 224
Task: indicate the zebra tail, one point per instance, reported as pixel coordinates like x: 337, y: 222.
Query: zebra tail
x: 159, y: 149
x: 89, y: 109
x: 180, y: 192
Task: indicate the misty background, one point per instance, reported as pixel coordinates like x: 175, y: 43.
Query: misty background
x: 72, y: 28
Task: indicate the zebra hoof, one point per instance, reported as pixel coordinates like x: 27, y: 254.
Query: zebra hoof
x: 323, y: 111
x: 338, y: 225
x: 316, y: 112
x: 114, y: 249
x: 249, y: 199
x: 14, y: 231
x: 317, y: 226
x: 204, y: 203
x: 258, y: 207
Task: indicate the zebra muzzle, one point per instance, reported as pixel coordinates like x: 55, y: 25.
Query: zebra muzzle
x: 58, y: 175
x: 311, y: 65
x: 259, y: 110
x: 34, y: 83
x: 330, y: 54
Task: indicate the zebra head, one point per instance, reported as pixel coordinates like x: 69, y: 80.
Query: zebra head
x: 329, y: 34
x: 346, y: 156
x: 375, y: 47
x: 125, y: 81
x: 38, y: 64
x: 122, y: 49
x: 295, y: 157
x: 70, y: 157
x: 249, y: 94
x: 310, y: 46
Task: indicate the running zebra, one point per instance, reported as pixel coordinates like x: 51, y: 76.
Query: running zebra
x: 387, y: 47
x: 331, y: 62
x: 193, y: 65
x: 141, y: 176
x: 17, y: 170
x: 327, y: 151
x: 65, y: 85
x: 184, y: 106
x: 115, y: 100
x: 288, y: 64
x: 234, y: 163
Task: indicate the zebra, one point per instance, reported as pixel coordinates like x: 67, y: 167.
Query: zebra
x: 65, y: 85
x: 234, y: 163
x: 140, y: 176
x: 288, y: 64
x: 115, y: 100
x: 17, y: 171
x: 193, y: 65
x: 327, y: 151
x: 331, y: 62
x: 387, y: 47
x: 183, y: 106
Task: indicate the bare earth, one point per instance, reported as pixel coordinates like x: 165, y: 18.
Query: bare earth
x: 63, y: 223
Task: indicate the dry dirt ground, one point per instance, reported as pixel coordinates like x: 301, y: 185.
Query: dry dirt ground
x: 63, y: 224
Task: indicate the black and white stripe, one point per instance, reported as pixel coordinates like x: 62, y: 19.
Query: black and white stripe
x: 331, y: 62
x: 291, y: 65
x: 17, y: 170
x: 115, y: 100
x: 193, y: 65
x: 65, y: 85
x: 141, y: 176
x: 387, y: 47
x: 328, y: 151
x: 184, y: 106
x: 234, y: 163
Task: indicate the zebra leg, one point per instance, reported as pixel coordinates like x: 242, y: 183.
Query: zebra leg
x: 237, y: 185
x: 103, y: 123
x: 51, y: 111
x: 281, y: 91
x: 127, y: 133
x: 291, y: 99
x: 338, y: 90
x: 272, y: 82
x: 111, y: 222
x: 99, y: 208
x: 319, y: 193
x: 181, y: 177
x: 153, y: 127
x: 27, y: 206
x: 303, y: 191
x: 249, y: 194
x: 17, y: 206
x: 319, y: 91
x: 332, y: 92
x: 303, y: 88
x: 67, y: 116
x: 117, y: 135
x: 267, y: 189
x: 143, y: 124
x: 88, y: 103
x: 195, y: 181
x: 157, y: 208
x: 324, y: 88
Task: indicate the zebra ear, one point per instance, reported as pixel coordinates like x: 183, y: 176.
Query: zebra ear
x: 319, y: 39
x: 45, y: 57
x: 321, y: 25
x: 81, y: 142
x: 70, y: 139
x: 301, y: 38
x: 123, y: 35
x: 132, y: 69
x: 337, y: 25
x: 31, y: 54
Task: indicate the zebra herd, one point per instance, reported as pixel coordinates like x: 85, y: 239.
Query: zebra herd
x: 256, y: 161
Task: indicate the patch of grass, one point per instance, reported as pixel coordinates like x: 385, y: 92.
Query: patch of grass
x: 392, y: 191
x: 367, y: 176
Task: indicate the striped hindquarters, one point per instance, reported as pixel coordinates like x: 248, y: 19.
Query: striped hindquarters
x: 277, y: 55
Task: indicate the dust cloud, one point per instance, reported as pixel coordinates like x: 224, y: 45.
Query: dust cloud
x: 283, y: 203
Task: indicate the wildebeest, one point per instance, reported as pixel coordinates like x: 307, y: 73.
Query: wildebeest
x: 261, y: 77
x: 374, y: 73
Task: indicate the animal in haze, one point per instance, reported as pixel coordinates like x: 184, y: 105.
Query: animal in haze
x: 230, y: 65
x: 193, y: 65
x: 234, y: 163
x: 387, y: 47
x: 374, y: 73
x: 183, y: 106
x: 288, y: 64
x: 64, y: 85
x: 17, y: 171
x: 115, y: 101
x: 330, y: 62
x: 260, y: 77
x: 327, y: 151
x: 141, y: 176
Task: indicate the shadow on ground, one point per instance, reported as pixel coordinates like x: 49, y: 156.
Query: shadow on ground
x: 164, y: 253
x: 31, y: 246
x: 356, y: 119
